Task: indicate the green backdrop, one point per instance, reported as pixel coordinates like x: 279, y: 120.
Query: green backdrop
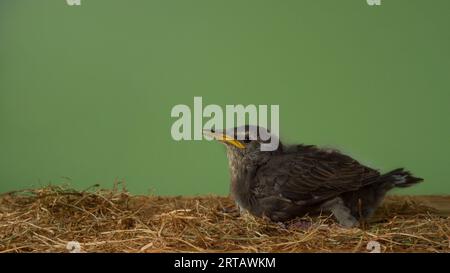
x: 86, y: 91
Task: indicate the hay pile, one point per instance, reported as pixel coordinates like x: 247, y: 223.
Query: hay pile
x: 47, y: 219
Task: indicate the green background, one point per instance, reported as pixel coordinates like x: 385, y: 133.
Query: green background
x: 86, y: 92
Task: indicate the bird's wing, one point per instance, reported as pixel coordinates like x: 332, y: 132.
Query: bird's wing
x: 312, y: 175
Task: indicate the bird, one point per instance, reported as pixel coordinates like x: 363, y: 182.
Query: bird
x: 297, y: 180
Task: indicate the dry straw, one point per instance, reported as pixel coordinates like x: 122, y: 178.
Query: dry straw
x: 60, y: 219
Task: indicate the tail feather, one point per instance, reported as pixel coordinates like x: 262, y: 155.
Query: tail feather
x: 400, y: 178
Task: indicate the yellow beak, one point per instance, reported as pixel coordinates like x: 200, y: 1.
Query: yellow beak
x: 224, y: 138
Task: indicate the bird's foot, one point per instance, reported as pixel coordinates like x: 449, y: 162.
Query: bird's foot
x: 232, y: 211
x: 246, y: 215
x: 301, y: 224
x: 282, y: 225
x: 347, y: 221
x: 297, y: 224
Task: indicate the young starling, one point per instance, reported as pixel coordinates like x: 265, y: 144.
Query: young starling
x: 295, y: 180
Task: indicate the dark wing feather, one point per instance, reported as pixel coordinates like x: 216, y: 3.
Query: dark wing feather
x: 311, y: 175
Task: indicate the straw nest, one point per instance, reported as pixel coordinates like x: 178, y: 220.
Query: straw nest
x: 60, y: 219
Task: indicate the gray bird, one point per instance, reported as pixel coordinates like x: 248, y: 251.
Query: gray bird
x: 296, y: 180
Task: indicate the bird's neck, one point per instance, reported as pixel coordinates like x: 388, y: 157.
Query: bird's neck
x: 238, y: 187
x: 236, y: 164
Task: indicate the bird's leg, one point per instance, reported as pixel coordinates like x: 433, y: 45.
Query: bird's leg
x: 340, y: 212
x: 241, y: 209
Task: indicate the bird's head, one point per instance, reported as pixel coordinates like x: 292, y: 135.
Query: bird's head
x: 246, y: 141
